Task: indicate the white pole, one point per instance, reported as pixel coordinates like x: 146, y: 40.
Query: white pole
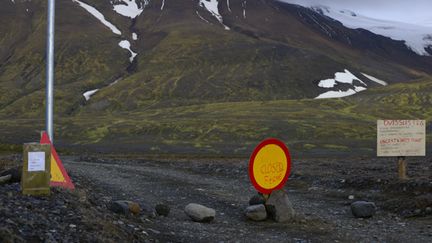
x: 50, y: 70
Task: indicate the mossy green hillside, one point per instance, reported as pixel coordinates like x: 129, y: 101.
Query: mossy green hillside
x: 85, y: 59
x: 308, y: 126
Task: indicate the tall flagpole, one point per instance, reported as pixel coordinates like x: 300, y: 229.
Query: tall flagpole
x: 50, y: 70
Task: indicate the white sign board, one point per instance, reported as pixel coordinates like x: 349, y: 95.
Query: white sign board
x: 36, y: 161
x: 401, y: 138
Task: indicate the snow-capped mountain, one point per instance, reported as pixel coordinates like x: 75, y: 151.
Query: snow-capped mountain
x: 152, y: 75
x: 418, y: 37
x: 126, y: 54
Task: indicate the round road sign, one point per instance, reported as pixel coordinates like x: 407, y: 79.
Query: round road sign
x: 269, y: 165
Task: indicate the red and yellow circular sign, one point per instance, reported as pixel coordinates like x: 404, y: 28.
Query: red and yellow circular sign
x: 270, y: 165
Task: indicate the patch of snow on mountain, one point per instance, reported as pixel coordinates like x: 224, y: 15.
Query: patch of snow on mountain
x: 327, y: 83
x: 134, y: 36
x: 93, y: 11
x: 244, y: 9
x: 201, y: 17
x: 379, y: 81
x: 345, y: 77
x: 125, y: 44
x: 129, y: 8
x: 87, y: 95
x: 414, y: 35
x: 163, y: 4
x: 359, y: 88
x: 336, y: 94
x: 228, y: 5
x: 13, y: 1
x: 212, y: 7
x: 115, y: 82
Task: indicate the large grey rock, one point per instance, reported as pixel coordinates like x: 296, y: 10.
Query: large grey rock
x: 362, y: 209
x: 256, y: 212
x: 279, y: 207
x: 200, y: 213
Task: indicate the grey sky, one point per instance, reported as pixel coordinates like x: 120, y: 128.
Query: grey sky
x: 411, y: 11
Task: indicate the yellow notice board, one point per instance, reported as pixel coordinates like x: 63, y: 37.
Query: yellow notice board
x: 401, y: 138
x: 36, y: 169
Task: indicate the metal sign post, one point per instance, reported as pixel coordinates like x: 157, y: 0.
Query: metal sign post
x: 50, y: 70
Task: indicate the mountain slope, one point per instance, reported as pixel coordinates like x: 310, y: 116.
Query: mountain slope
x: 186, y: 52
x: 191, y: 56
x: 198, y: 59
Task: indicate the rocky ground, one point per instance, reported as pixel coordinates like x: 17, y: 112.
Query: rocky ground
x: 321, y: 191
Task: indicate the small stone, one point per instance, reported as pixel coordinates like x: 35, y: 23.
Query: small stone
x: 5, y: 179
x: 257, y: 199
x: 256, y: 212
x: 351, y: 197
x: 134, y: 208
x: 200, y: 213
x: 428, y: 210
x: 154, y: 231
x: 15, y: 172
x: 125, y: 207
x: 72, y: 226
x: 162, y: 209
x: 279, y: 207
x: 362, y: 209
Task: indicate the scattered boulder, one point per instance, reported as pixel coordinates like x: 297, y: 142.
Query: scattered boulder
x: 279, y: 207
x: 257, y: 199
x: 125, y: 207
x: 162, y: 209
x: 256, y: 212
x: 14, y: 172
x: 362, y: 209
x: 5, y: 179
x: 200, y: 213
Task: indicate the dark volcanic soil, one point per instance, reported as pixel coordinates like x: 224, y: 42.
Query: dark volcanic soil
x: 318, y: 188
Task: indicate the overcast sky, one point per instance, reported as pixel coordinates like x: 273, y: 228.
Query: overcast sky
x: 410, y: 11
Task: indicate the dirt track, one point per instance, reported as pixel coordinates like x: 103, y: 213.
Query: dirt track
x: 319, y: 190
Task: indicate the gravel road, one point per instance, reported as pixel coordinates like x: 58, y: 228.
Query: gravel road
x: 320, y: 196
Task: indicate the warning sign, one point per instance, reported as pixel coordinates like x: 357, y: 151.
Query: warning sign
x: 401, y: 138
x: 269, y: 166
x: 59, y: 176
